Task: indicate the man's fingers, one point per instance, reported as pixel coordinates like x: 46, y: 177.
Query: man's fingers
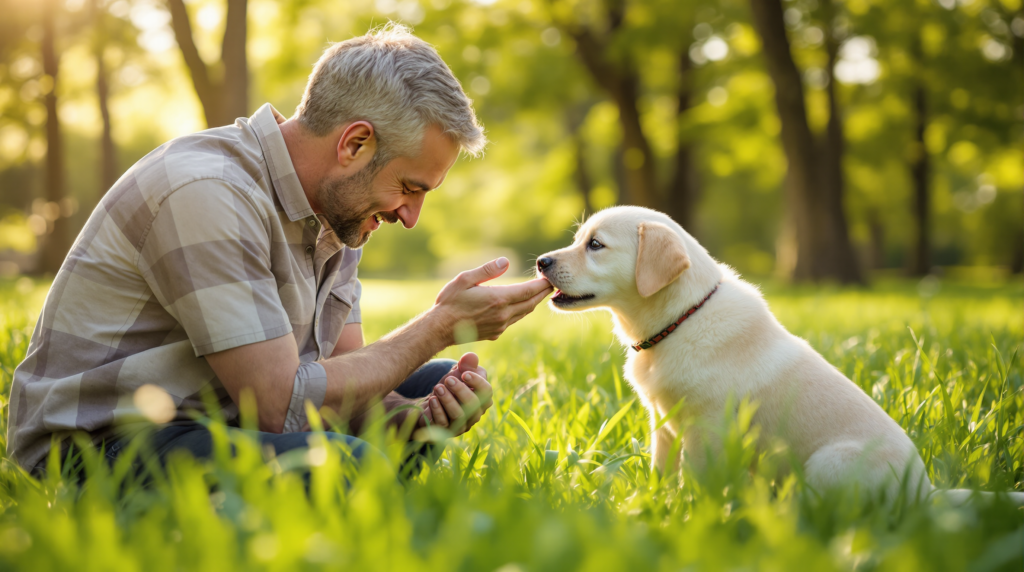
x: 516, y: 319
x: 437, y: 413
x: 468, y: 362
x: 424, y: 416
x: 451, y: 405
x: 479, y: 385
x: 523, y: 308
x: 523, y: 290
x: 467, y: 398
x: 488, y: 271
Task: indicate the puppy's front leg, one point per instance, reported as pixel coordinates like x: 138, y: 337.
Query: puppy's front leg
x: 661, y: 446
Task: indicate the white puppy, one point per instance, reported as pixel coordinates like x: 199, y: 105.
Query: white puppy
x: 650, y: 273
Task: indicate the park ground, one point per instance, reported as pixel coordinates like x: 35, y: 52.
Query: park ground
x: 556, y: 476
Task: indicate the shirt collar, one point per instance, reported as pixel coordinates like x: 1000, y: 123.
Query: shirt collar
x: 282, y: 172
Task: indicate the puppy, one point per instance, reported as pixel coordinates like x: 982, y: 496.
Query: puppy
x: 702, y: 334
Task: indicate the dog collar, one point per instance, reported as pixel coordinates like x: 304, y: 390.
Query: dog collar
x: 650, y: 342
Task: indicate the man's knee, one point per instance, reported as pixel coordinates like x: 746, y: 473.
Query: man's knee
x: 423, y: 380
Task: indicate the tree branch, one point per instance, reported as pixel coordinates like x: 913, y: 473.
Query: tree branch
x: 196, y: 66
x: 681, y: 194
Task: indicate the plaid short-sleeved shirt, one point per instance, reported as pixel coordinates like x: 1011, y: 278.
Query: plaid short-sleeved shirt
x: 206, y: 244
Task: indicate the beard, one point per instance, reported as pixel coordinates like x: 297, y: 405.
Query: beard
x: 347, y: 202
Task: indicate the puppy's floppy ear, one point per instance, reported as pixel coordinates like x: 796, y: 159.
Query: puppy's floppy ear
x: 660, y: 259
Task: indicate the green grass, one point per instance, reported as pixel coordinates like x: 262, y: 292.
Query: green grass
x: 557, y: 477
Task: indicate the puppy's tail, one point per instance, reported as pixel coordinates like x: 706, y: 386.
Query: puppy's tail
x: 959, y: 497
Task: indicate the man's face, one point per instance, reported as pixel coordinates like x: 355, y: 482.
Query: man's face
x: 356, y: 205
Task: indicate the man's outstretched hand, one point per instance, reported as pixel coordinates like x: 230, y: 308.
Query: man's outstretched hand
x: 488, y: 309
x: 466, y: 311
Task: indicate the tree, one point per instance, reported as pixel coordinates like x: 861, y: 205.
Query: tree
x: 814, y: 176
x: 223, y: 88
x: 955, y: 133
x: 920, y: 170
x: 108, y: 152
x: 683, y: 189
x: 616, y: 71
x: 575, y: 115
x: 622, y: 84
x: 57, y: 243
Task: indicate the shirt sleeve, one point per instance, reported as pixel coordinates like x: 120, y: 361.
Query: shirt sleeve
x: 355, y: 316
x: 310, y: 385
x: 206, y: 257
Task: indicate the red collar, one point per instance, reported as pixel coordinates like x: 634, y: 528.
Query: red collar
x: 648, y: 343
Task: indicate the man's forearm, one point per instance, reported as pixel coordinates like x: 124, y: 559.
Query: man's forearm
x: 356, y: 379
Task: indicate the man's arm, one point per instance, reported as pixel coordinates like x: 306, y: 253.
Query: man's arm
x: 350, y: 340
x: 356, y: 378
x: 444, y: 410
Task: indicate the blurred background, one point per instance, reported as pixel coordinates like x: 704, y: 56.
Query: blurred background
x: 806, y: 140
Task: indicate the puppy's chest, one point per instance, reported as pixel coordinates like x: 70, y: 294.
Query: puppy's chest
x: 666, y: 377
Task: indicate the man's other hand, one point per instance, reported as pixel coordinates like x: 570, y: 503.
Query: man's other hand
x: 489, y: 309
x: 462, y: 397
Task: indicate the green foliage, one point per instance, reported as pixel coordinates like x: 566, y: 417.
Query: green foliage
x: 557, y: 475
x: 523, y: 71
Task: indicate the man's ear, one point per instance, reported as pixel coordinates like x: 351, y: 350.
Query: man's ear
x: 357, y: 145
x: 660, y: 259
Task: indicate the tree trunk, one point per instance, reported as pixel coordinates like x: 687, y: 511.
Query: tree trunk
x: 55, y: 247
x: 797, y: 141
x: 841, y: 261
x: 820, y: 246
x: 619, y: 174
x: 920, y: 262
x: 108, y: 174
x: 108, y: 152
x: 622, y: 86
x: 225, y: 96
x: 236, y: 65
x: 681, y: 195
x: 877, y: 232
x: 638, y: 159
x: 581, y: 176
x: 1017, y: 257
x: 197, y: 69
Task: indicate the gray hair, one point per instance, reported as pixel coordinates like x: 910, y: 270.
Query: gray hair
x: 396, y: 82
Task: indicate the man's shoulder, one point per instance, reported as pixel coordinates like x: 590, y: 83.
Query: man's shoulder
x: 206, y: 164
x: 231, y: 155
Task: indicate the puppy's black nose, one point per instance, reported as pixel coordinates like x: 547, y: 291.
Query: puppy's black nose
x: 545, y: 262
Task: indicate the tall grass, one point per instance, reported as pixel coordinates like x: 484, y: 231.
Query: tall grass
x: 557, y: 477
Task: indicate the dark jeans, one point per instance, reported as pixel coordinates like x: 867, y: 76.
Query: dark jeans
x: 197, y: 440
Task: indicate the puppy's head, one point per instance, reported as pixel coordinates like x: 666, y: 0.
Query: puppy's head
x: 620, y: 254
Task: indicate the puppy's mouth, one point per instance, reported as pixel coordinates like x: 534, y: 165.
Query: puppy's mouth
x: 563, y: 300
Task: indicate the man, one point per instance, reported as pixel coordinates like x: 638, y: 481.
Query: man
x: 225, y: 262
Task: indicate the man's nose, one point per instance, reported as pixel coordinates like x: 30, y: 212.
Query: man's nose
x: 544, y: 262
x: 410, y: 211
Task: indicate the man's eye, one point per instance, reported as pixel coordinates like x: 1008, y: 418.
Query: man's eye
x: 594, y: 244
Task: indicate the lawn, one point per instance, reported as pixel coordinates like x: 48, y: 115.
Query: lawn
x: 556, y: 476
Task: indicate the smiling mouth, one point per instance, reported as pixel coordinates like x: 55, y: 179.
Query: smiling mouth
x: 380, y: 218
x: 562, y: 300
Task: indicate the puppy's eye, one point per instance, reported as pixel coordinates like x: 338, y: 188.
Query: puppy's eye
x: 594, y: 244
